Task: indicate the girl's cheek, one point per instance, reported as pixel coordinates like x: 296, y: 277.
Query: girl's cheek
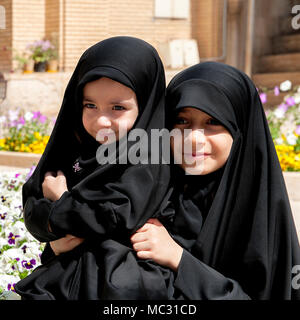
x: 222, y: 146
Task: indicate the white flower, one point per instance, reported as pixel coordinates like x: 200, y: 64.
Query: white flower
x: 297, y: 97
x: 279, y: 113
x: 32, y: 250
x: 3, y: 242
x: 11, y: 254
x: 279, y: 141
x: 19, y: 229
x: 2, y: 119
x: 5, y: 280
x: 12, y: 226
x: 286, y: 85
x: 13, y: 115
x: 291, y: 139
x: 28, y: 116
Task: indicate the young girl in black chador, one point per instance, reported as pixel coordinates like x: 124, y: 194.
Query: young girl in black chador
x: 117, y: 84
x: 234, y: 232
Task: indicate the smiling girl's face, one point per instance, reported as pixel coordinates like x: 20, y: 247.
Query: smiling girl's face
x: 210, y: 142
x: 108, y: 106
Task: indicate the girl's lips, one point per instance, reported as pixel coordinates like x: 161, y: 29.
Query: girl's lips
x: 196, y: 154
x: 104, y: 134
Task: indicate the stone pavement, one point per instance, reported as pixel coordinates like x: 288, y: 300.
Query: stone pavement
x: 291, y: 179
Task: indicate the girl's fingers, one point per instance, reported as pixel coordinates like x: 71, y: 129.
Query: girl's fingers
x: 138, y: 237
x: 70, y: 236
x: 154, y: 221
x: 60, y: 173
x: 49, y: 173
x: 144, y: 228
x: 144, y: 254
x: 77, y: 241
x: 141, y: 246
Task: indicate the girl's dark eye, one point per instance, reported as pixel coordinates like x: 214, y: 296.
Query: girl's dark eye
x: 89, y: 106
x: 180, y: 120
x: 214, y: 122
x: 118, y: 108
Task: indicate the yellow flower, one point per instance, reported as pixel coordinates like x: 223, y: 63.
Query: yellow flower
x: 37, y: 135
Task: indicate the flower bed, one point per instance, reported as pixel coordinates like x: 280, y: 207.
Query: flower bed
x: 284, y: 123
x: 19, y: 251
x: 24, y: 131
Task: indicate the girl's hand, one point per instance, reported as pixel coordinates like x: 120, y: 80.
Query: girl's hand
x: 65, y: 244
x: 152, y: 241
x: 54, y: 185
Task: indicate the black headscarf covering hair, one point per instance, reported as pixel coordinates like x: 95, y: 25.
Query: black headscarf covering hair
x: 108, y: 202
x: 245, y: 230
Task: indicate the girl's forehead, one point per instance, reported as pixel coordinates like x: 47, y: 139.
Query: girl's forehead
x: 108, y: 87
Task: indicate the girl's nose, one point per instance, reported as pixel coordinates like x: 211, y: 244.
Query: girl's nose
x: 197, y: 137
x: 104, y: 121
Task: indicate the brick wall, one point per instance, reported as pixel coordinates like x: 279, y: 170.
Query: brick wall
x: 28, y: 22
x: 86, y: 23
x: 6, y: 38
x: 91, y: 21
x: 79, y: 24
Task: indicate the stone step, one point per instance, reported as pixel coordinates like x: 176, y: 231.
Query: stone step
x: 286, y: 43
x: 289, y: 62
x: 270, y: 80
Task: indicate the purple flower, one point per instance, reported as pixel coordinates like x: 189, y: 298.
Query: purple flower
x: 290, y: 101
x: 46, y: 45
x: 21, y: 120
x: 283, y: 107
x: 13, y: 123
x: 36, y: 114
x: 28, y: 264
x: 3, y: 215
x: 276, y: 91
x: 263, y: 97
x: 13, y: 115
x: 12, y: 238
x: 17, y: 174
x: 298, y: 129
x: 281, y: 110
x: 42, y: 119
x: 30, y: 172
x: 24, y: 248
x: 11, y: 287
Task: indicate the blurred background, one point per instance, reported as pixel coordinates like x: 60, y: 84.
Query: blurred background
x: 256, y: 36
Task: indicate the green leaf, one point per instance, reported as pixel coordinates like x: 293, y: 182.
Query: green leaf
x: 23, y: 274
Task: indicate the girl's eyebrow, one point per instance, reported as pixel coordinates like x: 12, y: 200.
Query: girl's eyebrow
x: 112, y: 102
x: 87, y: 99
